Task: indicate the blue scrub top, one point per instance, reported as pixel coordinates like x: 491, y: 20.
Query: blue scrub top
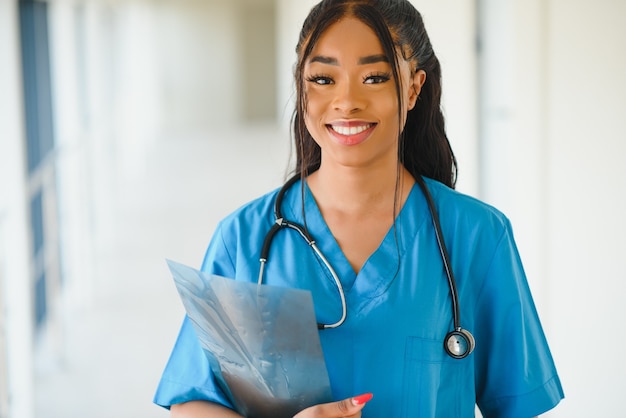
x: 399, y: 310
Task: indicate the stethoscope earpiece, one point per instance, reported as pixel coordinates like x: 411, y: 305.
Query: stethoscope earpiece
x: 459, y: 343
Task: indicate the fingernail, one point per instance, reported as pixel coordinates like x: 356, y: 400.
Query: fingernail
x: 361, y: 399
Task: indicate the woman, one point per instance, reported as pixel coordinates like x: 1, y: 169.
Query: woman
x: 371, y: 150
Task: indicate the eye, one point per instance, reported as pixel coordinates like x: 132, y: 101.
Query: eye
x: 377, y: 78
x: 322, y: 80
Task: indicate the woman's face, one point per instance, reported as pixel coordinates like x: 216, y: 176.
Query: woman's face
x: 352, y: 106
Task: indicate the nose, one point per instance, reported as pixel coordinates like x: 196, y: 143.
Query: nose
x: 349, y: 97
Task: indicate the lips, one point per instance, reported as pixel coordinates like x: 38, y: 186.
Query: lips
x: 351, y: 133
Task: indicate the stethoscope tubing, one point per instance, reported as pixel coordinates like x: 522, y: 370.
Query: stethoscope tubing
x: 458, y: 343
x: 454, y: 296
x: 280, y: 223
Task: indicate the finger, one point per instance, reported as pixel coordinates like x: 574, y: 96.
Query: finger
x: 350, y: 407
x: 347, y: 408
x: 362, y: 399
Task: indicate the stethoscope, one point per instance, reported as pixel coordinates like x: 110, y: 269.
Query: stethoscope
x: 458, y: 343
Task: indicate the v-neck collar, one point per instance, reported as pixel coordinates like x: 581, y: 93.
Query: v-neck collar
x: 382, y: 265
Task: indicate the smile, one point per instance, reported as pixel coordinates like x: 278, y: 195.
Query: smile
x: 351, y: 133
x: 351, y: 130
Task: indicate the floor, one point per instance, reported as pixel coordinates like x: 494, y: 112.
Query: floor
x: 154, y: 201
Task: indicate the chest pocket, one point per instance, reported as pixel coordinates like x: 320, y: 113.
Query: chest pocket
x: 434, y: 384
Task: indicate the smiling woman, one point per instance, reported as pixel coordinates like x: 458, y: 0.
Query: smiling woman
x: 350, y: 91
x: 395, y: 247
x: 353, y: 114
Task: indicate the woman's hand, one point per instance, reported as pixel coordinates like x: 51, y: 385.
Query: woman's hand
x: 201, y: 409
x: 347, y: 408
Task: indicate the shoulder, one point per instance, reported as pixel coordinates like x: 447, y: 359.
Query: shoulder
x: 458, y: 209
x: 246, y: 226
x: 257, y: 211
x: 238, y: 237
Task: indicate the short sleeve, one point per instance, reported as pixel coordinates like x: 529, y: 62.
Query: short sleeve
x: 515, y: 372
x: 187, y: 375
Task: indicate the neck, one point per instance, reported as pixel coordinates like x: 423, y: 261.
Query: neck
x: 356, y: 190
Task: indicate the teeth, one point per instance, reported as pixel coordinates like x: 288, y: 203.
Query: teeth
x: 352, y: 130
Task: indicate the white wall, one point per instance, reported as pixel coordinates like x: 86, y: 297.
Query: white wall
x: 15, y: 283
x: 555, y: 97
x: 586, y: 201
x: 71, y: 111
x: 199, y: 64
x: 258, y: 57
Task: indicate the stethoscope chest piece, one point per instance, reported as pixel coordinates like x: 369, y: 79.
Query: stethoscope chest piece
x: 459, y: 343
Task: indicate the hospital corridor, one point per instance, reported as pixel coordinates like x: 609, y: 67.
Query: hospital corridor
x: 130, y: 128
x: 162, y: 202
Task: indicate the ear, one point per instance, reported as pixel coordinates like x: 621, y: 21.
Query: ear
x: 415, y: 87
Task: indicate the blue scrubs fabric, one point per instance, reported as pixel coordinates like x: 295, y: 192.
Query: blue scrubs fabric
x: 399, y: 310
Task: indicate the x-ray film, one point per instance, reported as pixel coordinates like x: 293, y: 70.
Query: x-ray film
x: 262, y: 342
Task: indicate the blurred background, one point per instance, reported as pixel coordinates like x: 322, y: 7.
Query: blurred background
x: 128, y: 128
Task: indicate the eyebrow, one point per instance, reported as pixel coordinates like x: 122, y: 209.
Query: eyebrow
x: 370, y: 59
x: 373, y: 59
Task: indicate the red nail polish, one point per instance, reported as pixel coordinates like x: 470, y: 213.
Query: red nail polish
x: 361, y: 399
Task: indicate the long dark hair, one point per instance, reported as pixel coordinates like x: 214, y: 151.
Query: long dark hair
x: 424, y: 149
